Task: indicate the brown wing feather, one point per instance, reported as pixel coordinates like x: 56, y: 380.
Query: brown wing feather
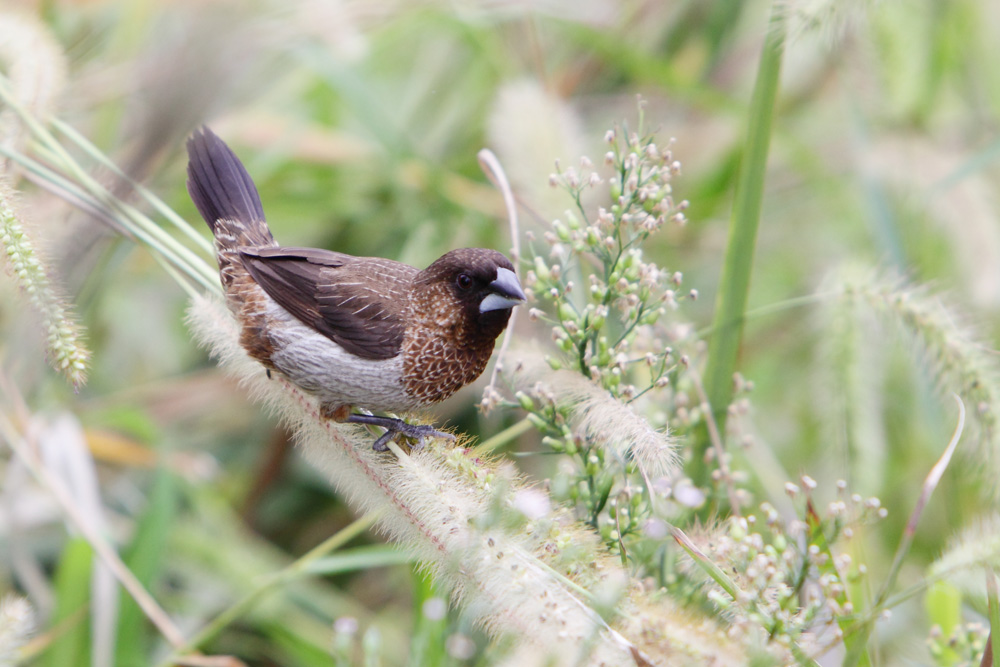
x: 357, y: 302
x: 311, y: 255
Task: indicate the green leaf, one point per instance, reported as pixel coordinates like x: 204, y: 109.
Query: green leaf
x: 428, y: 644
x: 70, y: 624
x: 145, y: 558
x: 359, y: 558
x: 943, y: 603
x: 730, y: 304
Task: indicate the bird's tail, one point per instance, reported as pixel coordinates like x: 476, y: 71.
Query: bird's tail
x: 225, y: 194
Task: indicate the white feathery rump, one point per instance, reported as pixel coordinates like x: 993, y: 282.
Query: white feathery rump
x: 437, y: 503
x: 601, y: 417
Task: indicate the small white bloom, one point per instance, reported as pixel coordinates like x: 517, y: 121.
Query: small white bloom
x: 435, y: 609
x: 532, y: 503
x: 460, y: 647
x: 688, y: 494
x: 654, y: 529
x: 345, y: 625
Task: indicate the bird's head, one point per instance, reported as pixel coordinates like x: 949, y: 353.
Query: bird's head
x: 475, y: 284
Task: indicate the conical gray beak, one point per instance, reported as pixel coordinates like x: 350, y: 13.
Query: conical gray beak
x: 505, y: 292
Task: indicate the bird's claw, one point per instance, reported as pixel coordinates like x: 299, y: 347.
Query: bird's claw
x: 418, y: 432
x: 394, y: 427
x: 382, y: 443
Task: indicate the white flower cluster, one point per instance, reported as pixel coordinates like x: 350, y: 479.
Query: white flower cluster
x: 624, y: 295
x: 790, y: 577
x: 591, y: 281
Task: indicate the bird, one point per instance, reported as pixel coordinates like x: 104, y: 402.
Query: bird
x: 363, y: 335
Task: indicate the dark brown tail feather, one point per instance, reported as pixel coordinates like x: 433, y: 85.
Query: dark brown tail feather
x: 222, y: 189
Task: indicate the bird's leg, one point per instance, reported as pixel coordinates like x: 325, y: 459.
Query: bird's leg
x: 393, y: 426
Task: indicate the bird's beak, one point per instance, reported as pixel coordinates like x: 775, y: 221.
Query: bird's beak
x: 505, y: 292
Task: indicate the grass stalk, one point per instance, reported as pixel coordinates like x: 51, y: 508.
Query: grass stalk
x: 61, y: 186
x: 991, y: 658
x: 147, y: 231
x: 857, y: 642
x: 299, y: 568
x: 503, y: 437
x: 104, y: 550
x: 124, y: 217
x: 730, y: 304
x: 82, y: 186
x: 491, y: 166
x: 158, y: 204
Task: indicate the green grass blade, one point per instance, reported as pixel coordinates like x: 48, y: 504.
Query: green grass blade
x: 359, y: 558
x: 72, y: 589
x: 427, y: 646
x: 158, y: 205
x: 730, y: 305
x: 290, y: 646
x: 145, y: 559
x: 993, y: 599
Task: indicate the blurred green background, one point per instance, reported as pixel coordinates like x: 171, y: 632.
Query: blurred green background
x: 360, y: 123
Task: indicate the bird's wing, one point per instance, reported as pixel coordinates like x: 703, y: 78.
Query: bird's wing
x: 357, y: 302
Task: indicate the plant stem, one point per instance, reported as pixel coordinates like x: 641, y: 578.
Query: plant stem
x: 991, y: 658
x: 857, y: 641
x: 730, y: 305
x: 503, y: 437
x: 294, y: 570
x: 82, y: 186
x: 101, y: 546
x: 168, y: 213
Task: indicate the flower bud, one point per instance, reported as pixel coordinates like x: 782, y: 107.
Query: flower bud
x: 554, y: 443
x: 566, y: 312
x: 537, y: 422
x: 650, y: 316
x: 541, y: 270
x: 561, y: 231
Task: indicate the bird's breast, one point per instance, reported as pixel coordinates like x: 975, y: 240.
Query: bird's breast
x: 436, y: 363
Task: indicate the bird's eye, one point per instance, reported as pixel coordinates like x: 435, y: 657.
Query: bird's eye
x: 464, y: 280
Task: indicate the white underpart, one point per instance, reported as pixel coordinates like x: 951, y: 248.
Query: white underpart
x: 321, y: 367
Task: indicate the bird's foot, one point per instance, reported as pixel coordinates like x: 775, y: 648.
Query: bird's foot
x: 394, y: 427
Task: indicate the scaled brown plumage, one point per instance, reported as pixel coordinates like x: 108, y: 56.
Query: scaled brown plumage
x: 360, y: 332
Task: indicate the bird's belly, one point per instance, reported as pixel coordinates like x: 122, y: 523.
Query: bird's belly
x: 320, y: 366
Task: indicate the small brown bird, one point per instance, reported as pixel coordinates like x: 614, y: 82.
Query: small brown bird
x: 357, y: 332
